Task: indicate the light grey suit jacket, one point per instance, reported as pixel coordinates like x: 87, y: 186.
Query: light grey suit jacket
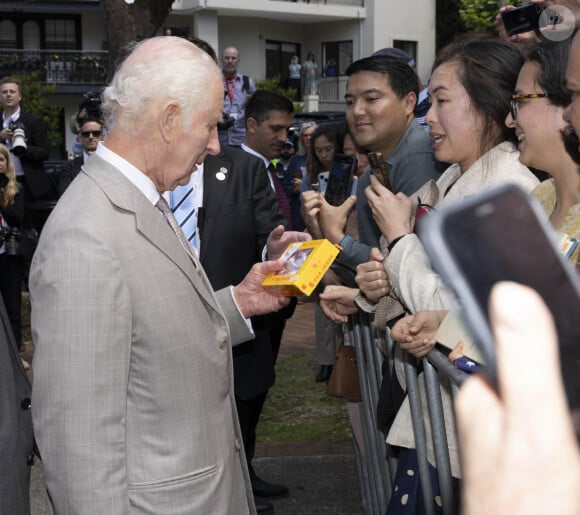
x: 133, y: 400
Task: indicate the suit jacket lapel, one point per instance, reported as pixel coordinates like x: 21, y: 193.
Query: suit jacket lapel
x: 149, y: 222
x: 214, y: 191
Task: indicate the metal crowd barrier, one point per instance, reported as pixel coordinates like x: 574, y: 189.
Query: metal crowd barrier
x: 376, y: 464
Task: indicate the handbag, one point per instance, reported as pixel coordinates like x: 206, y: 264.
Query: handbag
x: 344, y: 380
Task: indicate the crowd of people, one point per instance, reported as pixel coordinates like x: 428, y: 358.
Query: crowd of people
x: 155, y: 345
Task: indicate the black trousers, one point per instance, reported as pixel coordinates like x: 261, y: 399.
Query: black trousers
x: 249, y: 415
x: 11, y: 291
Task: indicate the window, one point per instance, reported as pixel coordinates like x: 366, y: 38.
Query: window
x: 7, y: 34
x: 60, y: 34
x: 339, y: 52
x: 410, y: 47
x: 30, y: 35
x: 37, y: 31
x: 278, y: 55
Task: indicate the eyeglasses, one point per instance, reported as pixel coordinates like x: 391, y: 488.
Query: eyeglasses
x: 517, y: 98
x: 88, y: 134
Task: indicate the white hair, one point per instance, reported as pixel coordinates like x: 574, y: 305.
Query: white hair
x: 157, y: 70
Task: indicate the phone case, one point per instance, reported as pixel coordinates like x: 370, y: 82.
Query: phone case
x: 379, y: 169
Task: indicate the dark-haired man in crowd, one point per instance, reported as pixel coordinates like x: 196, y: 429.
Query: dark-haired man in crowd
x: 89, y: 136
x: 380, y: 100
x: 268, y: 118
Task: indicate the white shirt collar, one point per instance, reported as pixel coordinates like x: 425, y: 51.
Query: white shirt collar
x: 12, y: 118
x: 143, y: 183
x: 254, y: 153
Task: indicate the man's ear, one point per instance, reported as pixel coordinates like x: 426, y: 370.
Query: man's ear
x: 410, y: 103
x: 169, y: 121
x: 251, y: 124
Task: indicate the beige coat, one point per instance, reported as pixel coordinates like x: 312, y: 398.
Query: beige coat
x: 421, y: 288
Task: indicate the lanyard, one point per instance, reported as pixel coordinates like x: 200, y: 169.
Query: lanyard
x: 233, y: 90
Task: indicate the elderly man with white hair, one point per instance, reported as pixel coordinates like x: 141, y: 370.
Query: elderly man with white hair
x: 133, y: 401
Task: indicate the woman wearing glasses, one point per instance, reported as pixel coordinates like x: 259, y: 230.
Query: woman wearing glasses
x: 89, y: 136
x: 537, y: 105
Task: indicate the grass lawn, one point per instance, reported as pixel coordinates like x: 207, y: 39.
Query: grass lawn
x: 298, y: 410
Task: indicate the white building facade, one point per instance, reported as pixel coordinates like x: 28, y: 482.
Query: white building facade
x: 69, y: 35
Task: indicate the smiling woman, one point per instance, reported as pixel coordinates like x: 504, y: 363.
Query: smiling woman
x: 538, y: 105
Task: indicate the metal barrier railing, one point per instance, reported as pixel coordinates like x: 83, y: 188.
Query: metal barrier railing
x: 375, y: 463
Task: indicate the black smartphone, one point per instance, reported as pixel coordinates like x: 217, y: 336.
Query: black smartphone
x: 502, y: 235
x: 339, y: 184
x: 522, y: 19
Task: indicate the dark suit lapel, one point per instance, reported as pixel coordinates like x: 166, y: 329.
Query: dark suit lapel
x: 149, y: 222
x: 216, y: 183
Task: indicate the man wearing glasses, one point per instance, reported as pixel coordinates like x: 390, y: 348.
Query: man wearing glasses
x: 89, y: 136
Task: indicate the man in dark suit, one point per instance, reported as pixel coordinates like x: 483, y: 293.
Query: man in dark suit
x: 237, y: 219
x: 16, y: 438
x: 90, y: 134
x: 30, y: 171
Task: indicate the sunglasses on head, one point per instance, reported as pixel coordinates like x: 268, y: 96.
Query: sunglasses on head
x: 87, y: 134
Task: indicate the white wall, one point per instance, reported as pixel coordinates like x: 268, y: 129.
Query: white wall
x: 413, y: 20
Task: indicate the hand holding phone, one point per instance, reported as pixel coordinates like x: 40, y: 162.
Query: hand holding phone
x: 340, y: 178
x: 522, y: 19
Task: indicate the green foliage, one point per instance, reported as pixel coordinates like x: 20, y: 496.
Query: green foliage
x: 479, y: 15
x: 274, y: 85
x: 34, y: 100
x: 298, y: 410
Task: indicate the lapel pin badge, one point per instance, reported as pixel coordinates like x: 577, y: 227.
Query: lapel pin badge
x: 221, y: 175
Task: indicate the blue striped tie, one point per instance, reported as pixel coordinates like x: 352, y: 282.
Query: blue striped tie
x: 182, y: 205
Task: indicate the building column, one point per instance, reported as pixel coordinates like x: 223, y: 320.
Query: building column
x: 205, y: 26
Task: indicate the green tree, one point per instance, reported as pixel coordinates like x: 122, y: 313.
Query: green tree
x: 34, y: 100
x: 274, y: 85
x: 479, y: 15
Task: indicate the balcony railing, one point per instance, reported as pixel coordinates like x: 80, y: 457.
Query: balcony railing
x: 56, y: 67
x: 353, y: 3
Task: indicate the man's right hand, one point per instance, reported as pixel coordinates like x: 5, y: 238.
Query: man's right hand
x: 252, y: 298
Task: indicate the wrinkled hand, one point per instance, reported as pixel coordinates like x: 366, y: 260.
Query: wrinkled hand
x: 251, y: 298
x: 279, y: 239
x: 499, y: 431
x: 332, y: 219
x: 371, y: 277
x: 392, y: 213
x: 337, y: 302
x: 310, y: 207
x: 415, y: 333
